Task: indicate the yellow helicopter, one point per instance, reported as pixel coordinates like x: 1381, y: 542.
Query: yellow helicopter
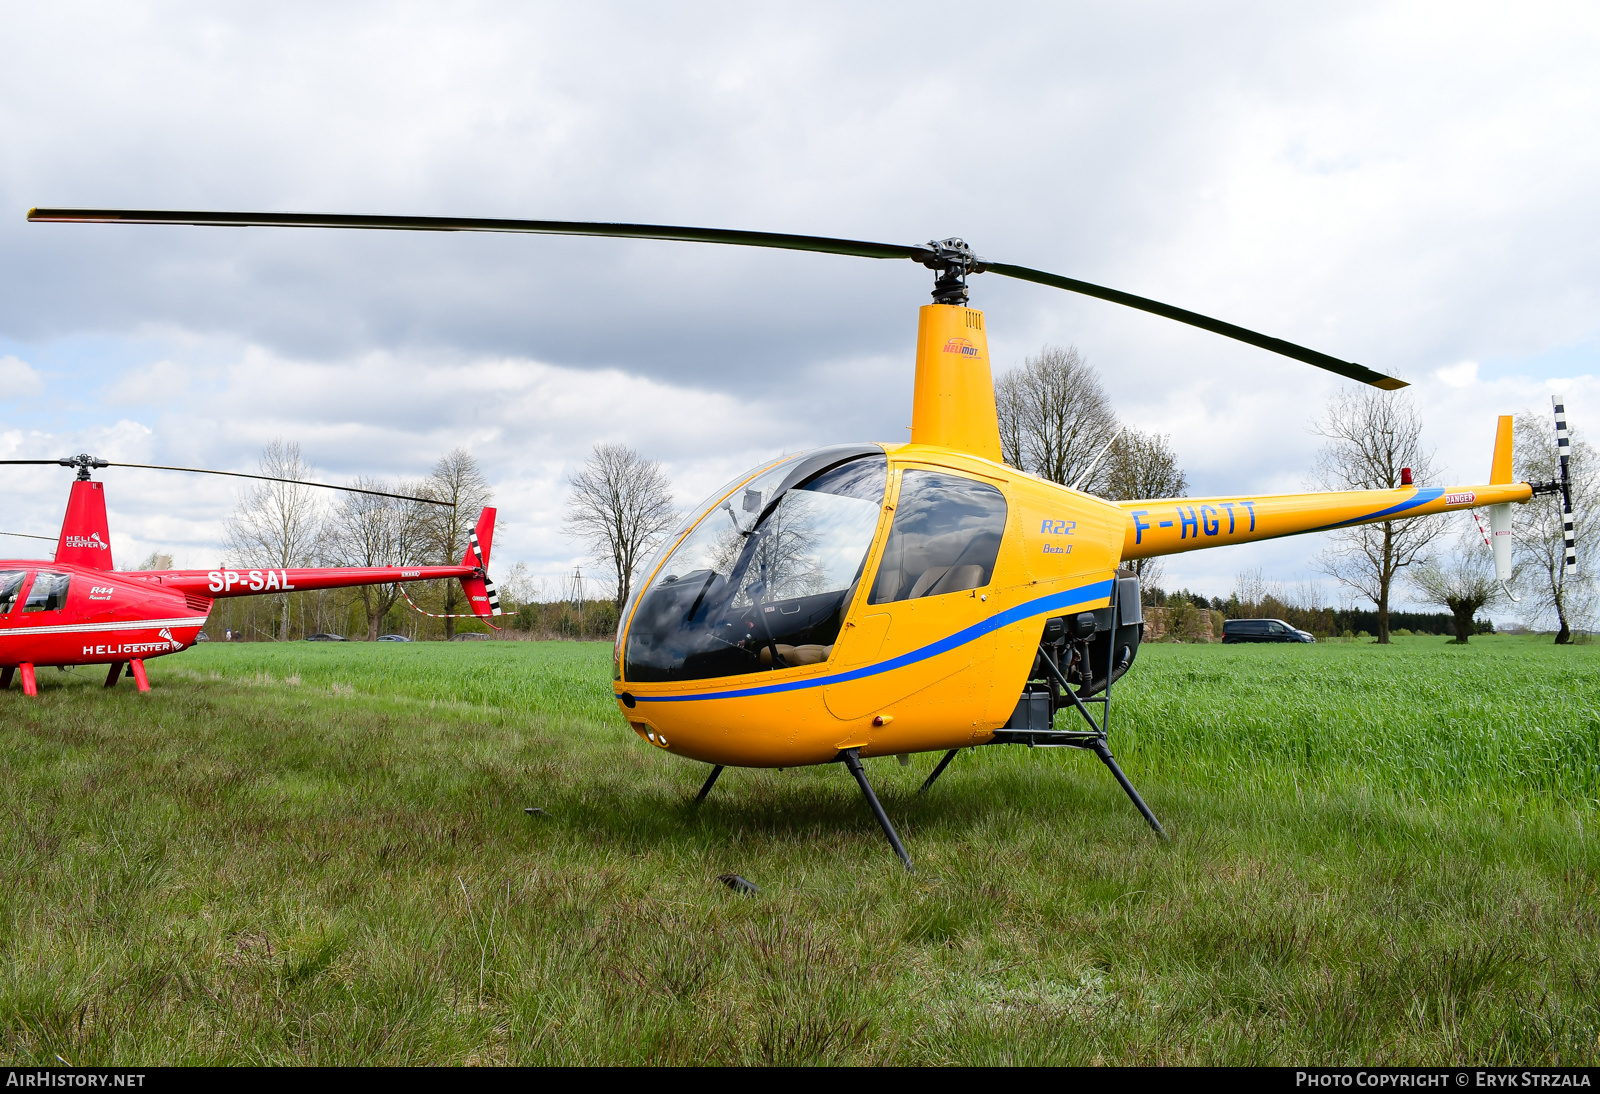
x: 883, y: 599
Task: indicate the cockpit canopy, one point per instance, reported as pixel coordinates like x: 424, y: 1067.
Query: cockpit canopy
x: 764, y: 578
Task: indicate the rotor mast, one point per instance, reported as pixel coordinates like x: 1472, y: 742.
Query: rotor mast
x: 952, y: 404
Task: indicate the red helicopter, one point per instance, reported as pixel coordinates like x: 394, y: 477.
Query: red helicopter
x: 77, y: 610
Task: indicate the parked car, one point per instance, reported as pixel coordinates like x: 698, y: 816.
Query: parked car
x: 1262, y: 630
x: 393, y: 638
x: 202, y: 637
x: 472, y: 636
x: 326, y: 638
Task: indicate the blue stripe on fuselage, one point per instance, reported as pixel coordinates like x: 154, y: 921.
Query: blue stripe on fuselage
x: 1044, y: 605
x: 1421, y: 497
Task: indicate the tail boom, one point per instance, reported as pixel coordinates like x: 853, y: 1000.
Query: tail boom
x: 225, y: 582
x: 1170, y: 526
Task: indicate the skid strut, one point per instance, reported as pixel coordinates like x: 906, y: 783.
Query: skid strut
x: 853, y: 761
x: 711, y: 780
x: 1034, y: 724
x: 944, y: 763
x: 1103, y: 750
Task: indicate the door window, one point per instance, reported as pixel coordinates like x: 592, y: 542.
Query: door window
x: 49, y: 593
x: 945, y: 537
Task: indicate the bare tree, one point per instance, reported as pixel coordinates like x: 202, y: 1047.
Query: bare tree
x: 1463, y: 581
x: 1054, y: 416
x: 367, y: 530
x: 1372, y: 437
x: 277, y: 524
x: 1536, y: 528
x: 620, y: 507
x: 156, y: 560
x: 445, y: 531
x: 518, y: 587
x: 1142, y: 465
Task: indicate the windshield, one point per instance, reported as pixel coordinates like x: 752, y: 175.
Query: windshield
x: 10, y: 583
x: 765, y: 578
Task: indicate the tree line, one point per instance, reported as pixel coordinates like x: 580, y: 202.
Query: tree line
x: 1269, y: 601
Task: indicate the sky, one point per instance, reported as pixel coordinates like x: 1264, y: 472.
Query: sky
x: 1410, y: 186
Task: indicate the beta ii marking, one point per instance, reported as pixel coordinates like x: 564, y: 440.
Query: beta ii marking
x: 1057, y: 528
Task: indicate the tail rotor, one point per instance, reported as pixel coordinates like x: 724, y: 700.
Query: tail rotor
x: 1563, y: 452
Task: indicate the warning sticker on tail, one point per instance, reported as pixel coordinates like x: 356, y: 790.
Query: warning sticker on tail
x: 1460, y: 499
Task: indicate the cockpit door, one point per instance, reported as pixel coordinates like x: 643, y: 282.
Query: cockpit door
x: 931, y: 580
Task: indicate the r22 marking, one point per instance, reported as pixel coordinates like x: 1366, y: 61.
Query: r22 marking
x: 1057, y: 527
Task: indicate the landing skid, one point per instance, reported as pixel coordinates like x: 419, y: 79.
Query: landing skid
x: 851, y: 758
x: 1036, y: 711
x: 1042, y: 705
x: 1094, y: 739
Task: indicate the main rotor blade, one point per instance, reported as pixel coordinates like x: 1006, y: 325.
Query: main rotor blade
x: 240, y: 475
x: 734, y: 237
x: 26, y: 535
x: 1215, y: 326
x: 274, y: 478
x: 923, y: 253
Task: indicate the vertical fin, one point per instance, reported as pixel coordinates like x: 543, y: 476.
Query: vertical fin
x: 481, y: 593
x: 85, y: 535
x: 1500, y: 467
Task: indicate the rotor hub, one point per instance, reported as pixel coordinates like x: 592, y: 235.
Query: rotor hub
x: 952, y: 260
x: 83, y: 462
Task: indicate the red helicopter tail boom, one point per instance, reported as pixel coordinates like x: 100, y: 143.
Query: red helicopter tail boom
x: 224, y: 581
x: 227, y: 581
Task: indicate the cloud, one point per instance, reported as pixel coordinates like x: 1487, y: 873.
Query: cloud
x: 1463, y: 375
x: 160, y: 382
x: 18, y: 380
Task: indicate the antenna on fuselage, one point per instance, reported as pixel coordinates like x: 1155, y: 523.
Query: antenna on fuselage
x: 1081, y: 479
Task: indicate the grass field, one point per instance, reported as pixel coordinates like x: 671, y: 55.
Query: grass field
x: 317, y: 853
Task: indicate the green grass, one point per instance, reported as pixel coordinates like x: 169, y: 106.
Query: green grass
x: 319, y: 854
